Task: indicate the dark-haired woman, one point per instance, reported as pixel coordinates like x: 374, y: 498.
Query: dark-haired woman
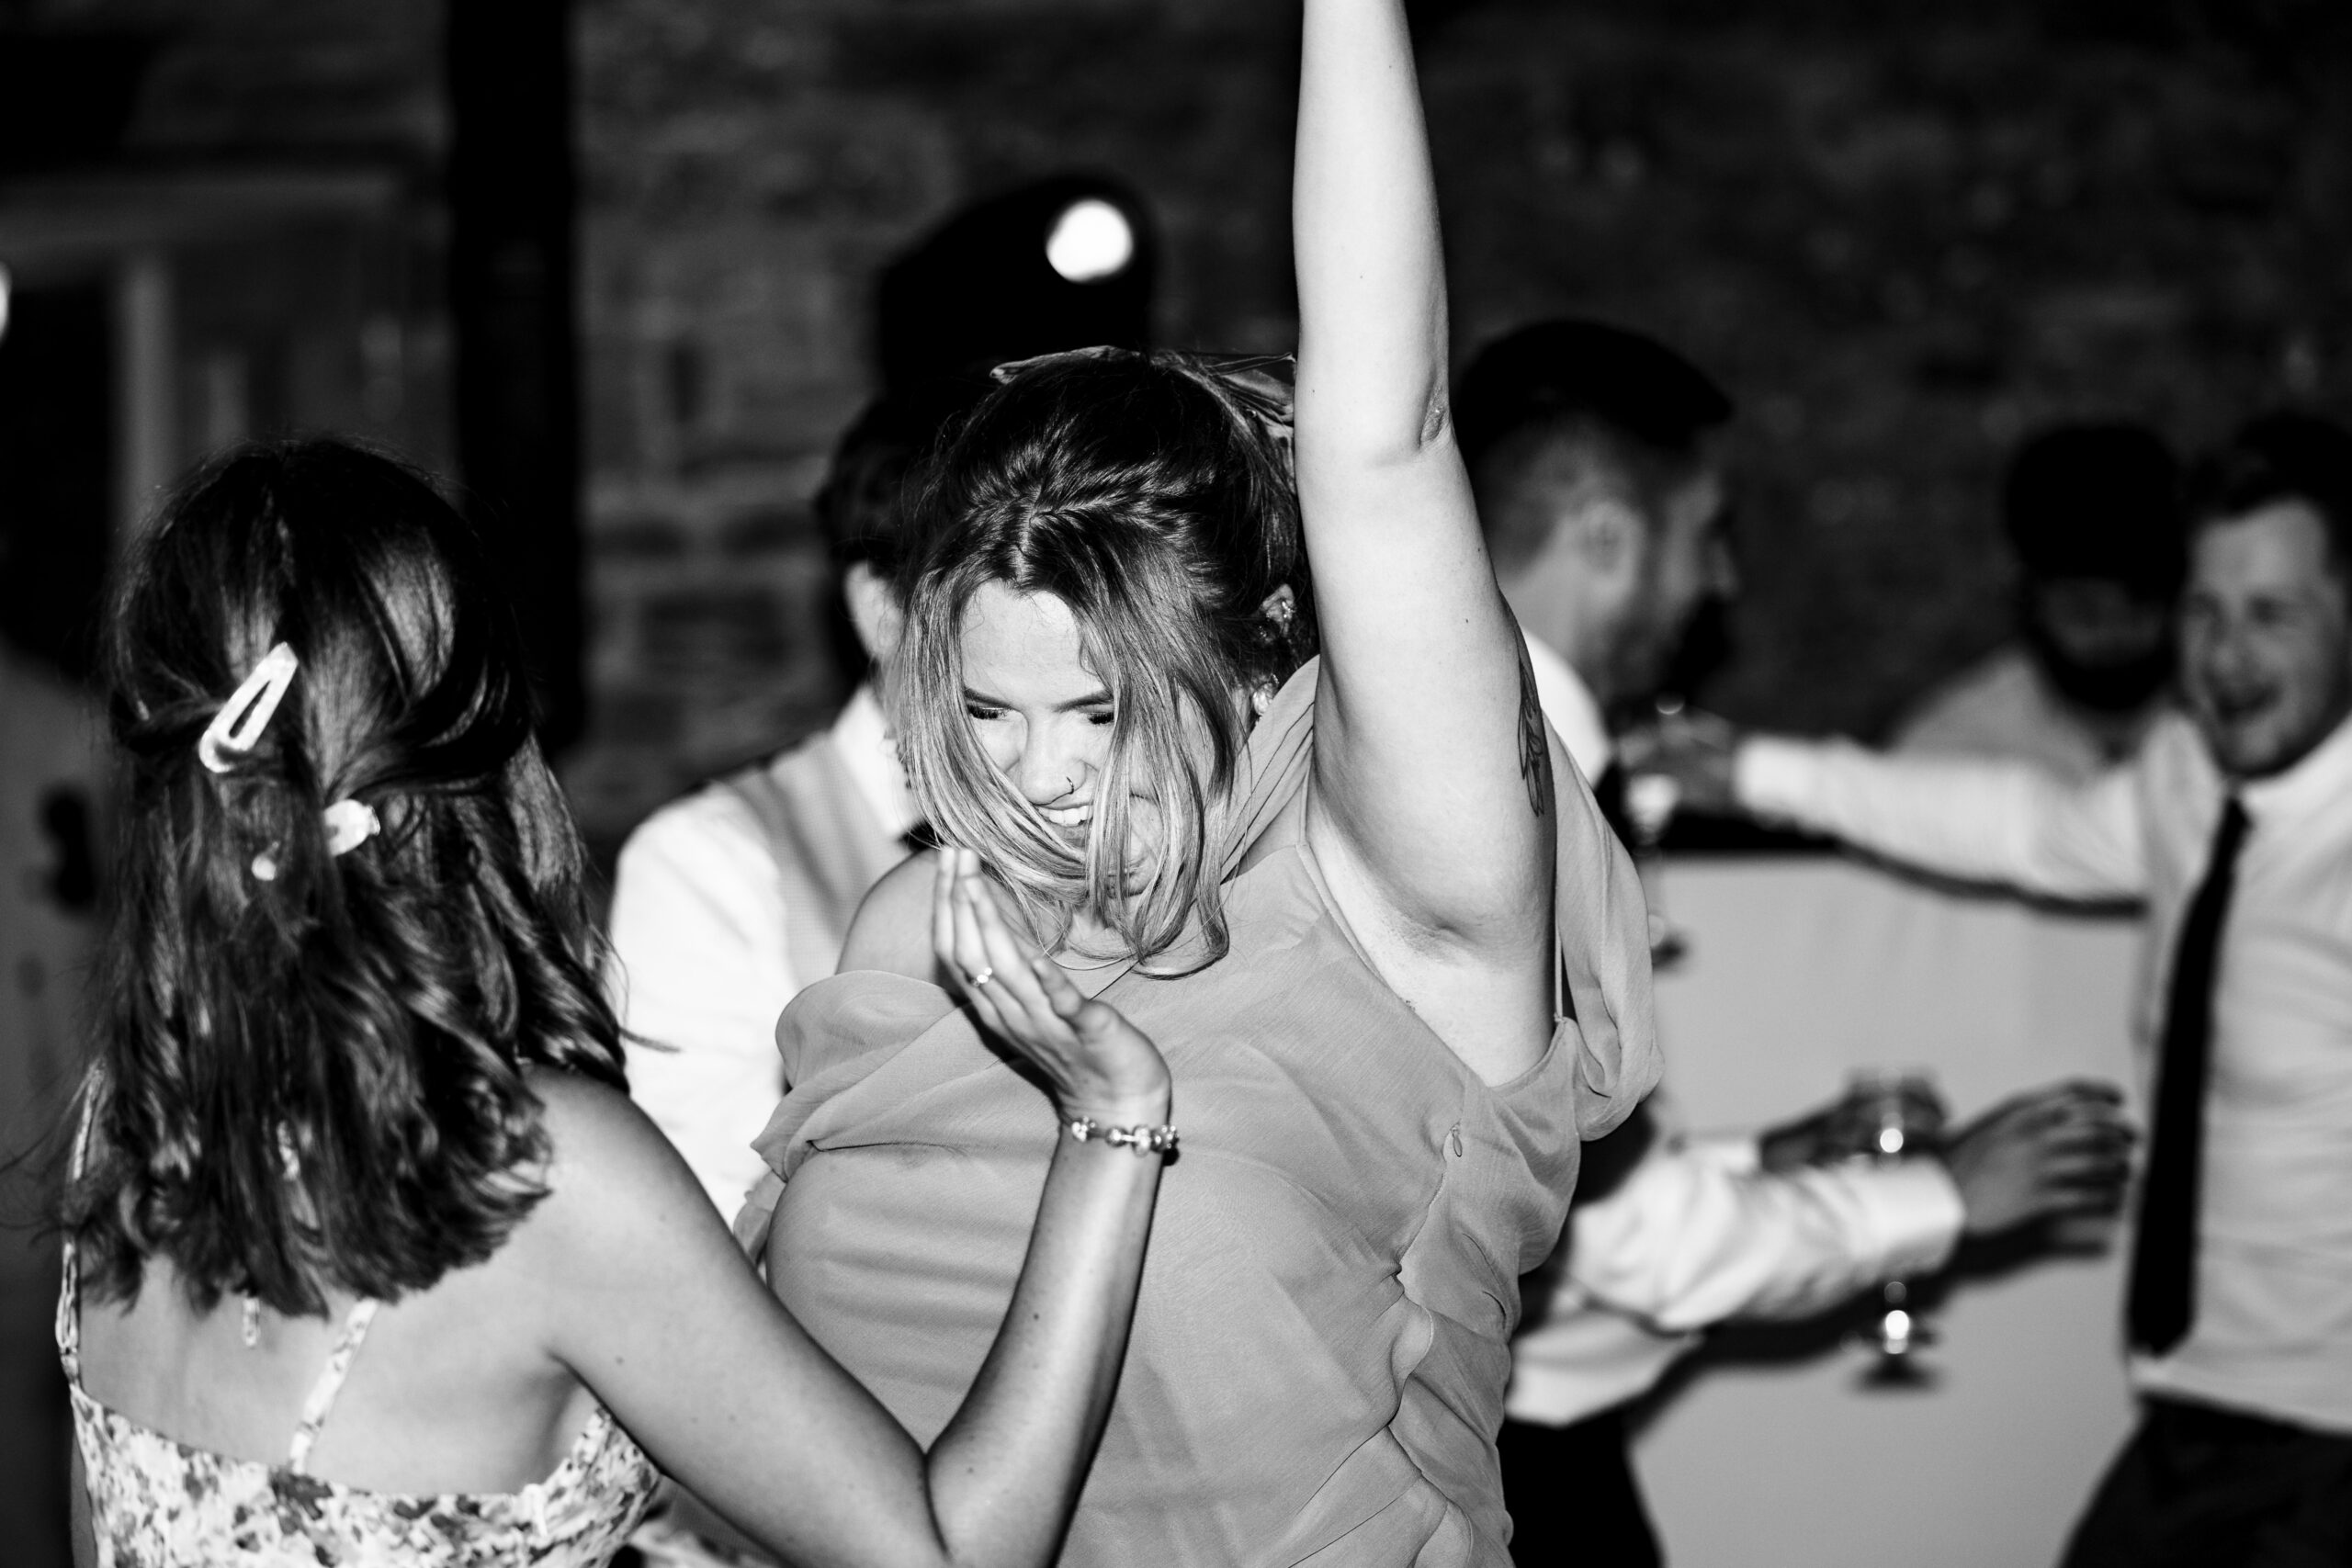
x: 370, y: 1260
x: 1343, y: 895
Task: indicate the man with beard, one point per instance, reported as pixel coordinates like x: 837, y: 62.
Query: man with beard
x: 2233, y: 823
x: 1595, y: 457
x: 2092, y: 513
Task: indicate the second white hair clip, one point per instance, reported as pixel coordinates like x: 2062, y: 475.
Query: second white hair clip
x: 238, y: 727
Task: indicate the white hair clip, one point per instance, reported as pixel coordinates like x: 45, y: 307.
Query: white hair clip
x: 247, y: 712
x: 351, y: 823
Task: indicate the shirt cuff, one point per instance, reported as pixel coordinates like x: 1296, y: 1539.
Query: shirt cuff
x: 1772, y: 777
x: 1741, y: 1154
x: 1913, y: 1212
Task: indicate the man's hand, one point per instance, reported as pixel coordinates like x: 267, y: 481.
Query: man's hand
x: 1693, y: 749
x: 1849, y: 1128
x: 2056, y: 1150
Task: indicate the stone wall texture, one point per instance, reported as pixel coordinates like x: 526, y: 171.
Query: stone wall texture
x: 1903, y: 233
x: 272, y: 78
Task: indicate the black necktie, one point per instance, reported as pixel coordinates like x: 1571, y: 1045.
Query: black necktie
x: 2163, y: 1260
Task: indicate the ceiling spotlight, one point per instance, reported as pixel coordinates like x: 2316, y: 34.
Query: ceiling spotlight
x: 1092, y: 241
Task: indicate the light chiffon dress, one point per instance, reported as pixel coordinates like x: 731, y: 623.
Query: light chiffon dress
x: 1321, y: 1343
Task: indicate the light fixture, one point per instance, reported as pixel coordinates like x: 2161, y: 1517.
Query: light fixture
x: 5, y: 283
x: 1091, y: 240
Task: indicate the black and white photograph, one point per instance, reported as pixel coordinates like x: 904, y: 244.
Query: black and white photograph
x: 1224, y: 784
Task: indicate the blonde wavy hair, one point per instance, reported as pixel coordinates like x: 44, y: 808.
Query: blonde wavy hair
x: 1152, y: 494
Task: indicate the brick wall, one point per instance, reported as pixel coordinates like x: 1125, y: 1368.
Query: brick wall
x: 748, y: 169
x: 1903, y: 233
x: 281, y: 158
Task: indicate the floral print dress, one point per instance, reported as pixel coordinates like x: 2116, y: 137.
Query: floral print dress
x: 156, y: 1502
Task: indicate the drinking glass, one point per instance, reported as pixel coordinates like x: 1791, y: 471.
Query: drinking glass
x: 1897, y: 1330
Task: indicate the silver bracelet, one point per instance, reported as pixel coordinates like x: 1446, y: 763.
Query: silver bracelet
x: 1143, y: 1140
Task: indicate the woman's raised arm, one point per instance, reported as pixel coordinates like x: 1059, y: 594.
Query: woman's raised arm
x: 1431, y: 774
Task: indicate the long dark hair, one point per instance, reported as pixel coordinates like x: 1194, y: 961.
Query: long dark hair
x: 309, y: 1066
x: 1151, y: 494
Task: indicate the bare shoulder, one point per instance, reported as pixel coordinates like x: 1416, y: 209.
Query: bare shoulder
x: 612, y: 1179
x: 624, y: 1248
x: 892, y: 929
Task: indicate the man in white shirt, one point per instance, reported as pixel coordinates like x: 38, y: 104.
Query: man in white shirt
x: 731, y: 900
x: 2232, y: 823
x: 2092, y: 513
x: 1593, y: 452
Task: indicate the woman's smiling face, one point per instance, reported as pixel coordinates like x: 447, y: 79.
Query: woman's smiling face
x: 1039, y: 710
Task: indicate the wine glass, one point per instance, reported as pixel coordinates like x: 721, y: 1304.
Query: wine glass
x: 1889, y: 1097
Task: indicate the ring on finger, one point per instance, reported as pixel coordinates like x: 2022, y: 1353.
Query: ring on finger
x: 987, y: 974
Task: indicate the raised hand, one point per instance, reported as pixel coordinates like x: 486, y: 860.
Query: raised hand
x: 1693, y: 749
x: 1849, y: 1128
x: 1094, y: 1062
x: 2056, y: 1150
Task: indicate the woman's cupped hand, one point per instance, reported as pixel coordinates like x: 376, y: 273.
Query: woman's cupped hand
x: 1094, y: 1062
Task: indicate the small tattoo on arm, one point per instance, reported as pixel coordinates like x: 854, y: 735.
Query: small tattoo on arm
x: 1534, y: 750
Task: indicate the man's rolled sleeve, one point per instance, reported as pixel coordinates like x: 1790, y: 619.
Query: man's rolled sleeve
x: 2004, y: 822
x: 1697, y: 1236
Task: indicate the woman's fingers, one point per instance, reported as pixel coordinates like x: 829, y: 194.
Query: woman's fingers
x: 997, y: 941
x: 1067, y: 1001
x: 963, y: 950
x: 1021, y: 999
x: 992, y: 963
x: 1095, y: 1059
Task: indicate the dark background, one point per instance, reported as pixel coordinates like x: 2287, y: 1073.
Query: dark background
x: 1903, y: 232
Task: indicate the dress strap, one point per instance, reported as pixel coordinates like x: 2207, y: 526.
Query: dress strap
x: 69, y: 1284
x: 322, y: 1393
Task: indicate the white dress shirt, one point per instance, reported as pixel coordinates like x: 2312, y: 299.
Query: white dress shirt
x: 1696, y: 1233
x: 2273, y: 1329
x: 703, y: 932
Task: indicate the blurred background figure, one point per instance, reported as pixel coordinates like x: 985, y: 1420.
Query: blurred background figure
x: 2092, y: 514
x: 729, y: 901
x: 2232, y: 826
x: 1596, y: 455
